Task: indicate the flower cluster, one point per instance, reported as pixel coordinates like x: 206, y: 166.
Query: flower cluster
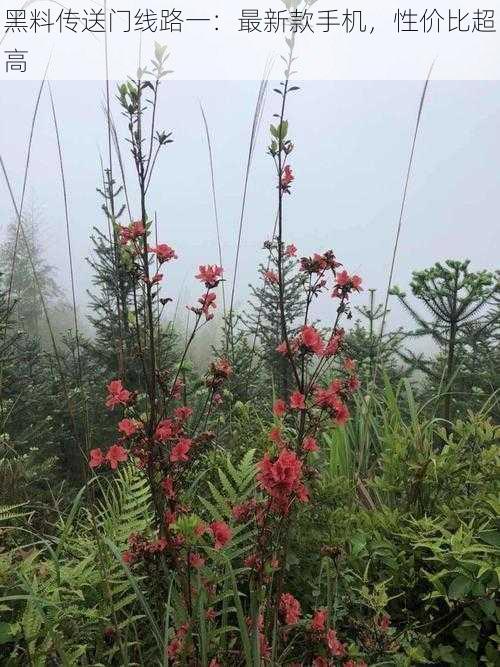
x: 281, y: 478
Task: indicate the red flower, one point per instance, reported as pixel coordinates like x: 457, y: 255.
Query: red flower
x: 335, y: 646
x: 207, y: 301
x: 282, y: 477
x: 349, y: 365
x: 279, y: 407
x: 352, y: 663
x: 210, y: 275
x: 341, y: 413
x: 290, y: 250
x: 311, y: 340
x: 334, y: 344
x: 164, y: 253
x: 271, y: 277
x: 353, y: 384
x: 117, y: 394
x: 318, y: 620
x: 309, y: 444
x: 180, y: 451
x: 244, y: 512
x: 287, y: 177
x: 116, y: 454
x: 221, y: 533
x: 290, y: 609
x: 356, y: 282
x: 196, y: 561
x: 384, y: 622
x: 175, y: 647
x: 276, y: 437
x: 132, y: 232
x: 164, y: 430
x: 320, y: 662
x: 328, y: 398
x: 222, y: 368
x: 183, y: 413
x: 96, y: 458
x: 128, y: 427
x: 297, y: 401
x: 168, y: 488
x: 282, y: 348
x: 345, y: 283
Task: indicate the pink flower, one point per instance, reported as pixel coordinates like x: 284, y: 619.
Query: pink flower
x: 275, y: 436
x: 164, y: 430
x: 319, y: 661
x: 210, y: 275
x: 196, y: 561
x: 207, y: 301
x: 311, y: 340
x: 290, y: 250
x: 290, y: 609
x: 353, y: 384
x: 309, y: 444
x: 271, y: 277
x: 128, y: 427
x: 349, y: 365
x: 175, y: 647
x: 341, y: 413
x: 164, y: 253
x: 244, y: 512
x: 117, y: 394
x: 282, y: 477
x: 132, y: 232
x: 183, y: 413
x: 318, y: 620
x: 384, y: 622
x: 297, y: 401
x: 287, y: 177
x: 279, y: 407
x: 180, y: 451
x: 345, y: 283
x: 96, y: 458
x: 116, y: 454
x: 221, y: 533
x: 335, y: 646
x: 168, y: 488
x: 356, y: 282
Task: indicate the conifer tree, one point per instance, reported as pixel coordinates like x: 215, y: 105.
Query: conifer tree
x: 18, y: 251
x: 454, y: 298
x: 367, y: 346
x: 112, y: 299
x: 263, y: 319
x: 117, y: 306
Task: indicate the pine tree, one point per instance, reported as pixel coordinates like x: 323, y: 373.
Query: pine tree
x: 112, y: 300
x: 454, y: 297
x: 365, y: 344
x: 263, y: 319
x: 17, y: 254
x: 117, y: 307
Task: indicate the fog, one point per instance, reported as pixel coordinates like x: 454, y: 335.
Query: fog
x: 352, y: 144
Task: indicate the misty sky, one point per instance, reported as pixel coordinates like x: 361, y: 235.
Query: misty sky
x: 352, y: 145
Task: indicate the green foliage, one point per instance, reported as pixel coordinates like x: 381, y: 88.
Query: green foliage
x: 455, y: 298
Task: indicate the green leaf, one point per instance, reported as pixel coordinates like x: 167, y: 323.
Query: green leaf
x: 459, y: 587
